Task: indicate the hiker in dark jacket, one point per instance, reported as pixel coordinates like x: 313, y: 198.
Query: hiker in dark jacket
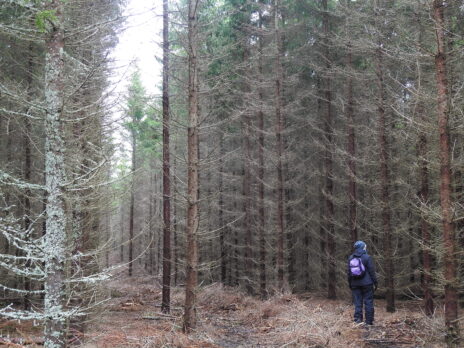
x: 362, y: 286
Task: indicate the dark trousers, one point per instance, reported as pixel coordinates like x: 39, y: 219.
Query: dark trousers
x: 363, y: 295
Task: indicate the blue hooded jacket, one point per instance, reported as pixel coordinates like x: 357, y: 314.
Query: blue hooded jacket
x: 370, y: 277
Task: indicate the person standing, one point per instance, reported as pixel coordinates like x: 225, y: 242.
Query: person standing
x: 362, y: 281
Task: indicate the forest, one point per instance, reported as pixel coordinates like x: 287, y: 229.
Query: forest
x: 220, y: 211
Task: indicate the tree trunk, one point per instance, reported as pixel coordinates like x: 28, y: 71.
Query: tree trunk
x: 385, y: 185
x: 322, y: 223
x: 383, y: 165
x: 426, y: 279
x: 192, y: 173
x: 121, y: 241
x: 329, y: 215
x: 55, y: 238
x: 132, y: 203
x: 261, y: 219
x: 279, y: 146
x: 165, y: 304
x: 27, y: 171
x: 449, y: 239
x: 351, y: 146
x: 221, y: 210
x: 174, y: 220
x: 247, y: 202
x: 151, y: 225
x: 424, y: 226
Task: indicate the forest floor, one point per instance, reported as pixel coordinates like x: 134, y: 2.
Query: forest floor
x: 228, y: 318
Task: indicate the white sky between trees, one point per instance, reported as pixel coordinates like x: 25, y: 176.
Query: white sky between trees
x: 140, y: 42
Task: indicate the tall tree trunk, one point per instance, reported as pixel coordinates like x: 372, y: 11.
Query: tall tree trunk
x: 165, y: 306
x: 27, y: 170
x: 424, y: 225
x: 351, y: 143
x: 174, y: 220
x: 279, y: 146
x: 151, y: 225
x: 383, y: 163
x: 132, y: 203
x: 449, y: 238
x: 248, y: 272
x: 121, y: 236
x: 55, y: 238
x: 222, y: 228
x: 261, y: 219
x: 385, y: 185
x: 426, y: 279
x: 329, y: 215
x: 192, y: 172
x: 322, y: 224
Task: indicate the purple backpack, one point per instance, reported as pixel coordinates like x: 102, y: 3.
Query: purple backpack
x: 357, y: 268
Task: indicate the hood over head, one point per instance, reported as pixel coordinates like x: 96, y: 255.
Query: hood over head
x: 360, y: 248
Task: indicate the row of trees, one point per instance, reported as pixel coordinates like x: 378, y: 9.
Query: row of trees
x: 311, y: 124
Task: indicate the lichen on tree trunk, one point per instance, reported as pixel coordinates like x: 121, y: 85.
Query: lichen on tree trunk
x: 54, y: 179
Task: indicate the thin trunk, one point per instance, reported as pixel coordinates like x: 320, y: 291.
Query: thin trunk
x: 121, y: 241
x: 385, y: 184
x: 150, y: 222
x: 132, y: 203
x: 221, y: 210
x: 9, y: 161
x: 279, y: 146
x: 308, y: 270
x: 246, y: 204
x: 174, y: 222
x: 27, y: 172
x: 383, y: 162
x: 109, y: 232
x: 449, y: 238
x: 329, y: 215
x: 322, y: 223
x: 351, y: 146
x: 192, y: 173
x: 55, y: 238
x: 426, y: 279
x: 165, y: 306
x: 261, y: 219
x: 236, y: 252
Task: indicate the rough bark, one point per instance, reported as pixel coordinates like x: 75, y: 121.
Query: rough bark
x: 449, y: 238
x: 55, y: 238
x: 192, y: 172
x: 165, y: 304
